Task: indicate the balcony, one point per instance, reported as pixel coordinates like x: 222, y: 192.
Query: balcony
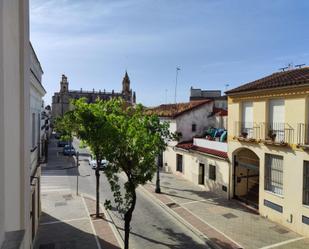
x: 247, y: 131
x: 280, y: 134
x: 303, y: 135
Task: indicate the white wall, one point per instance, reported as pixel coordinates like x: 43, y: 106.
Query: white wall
x: 198, y: 116
x: 190, y: 169
x: 1, y: 129
x: 14, y: 121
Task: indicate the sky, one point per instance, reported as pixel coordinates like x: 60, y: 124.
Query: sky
x: 217, y: 44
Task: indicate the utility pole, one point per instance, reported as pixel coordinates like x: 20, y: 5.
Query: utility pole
x: 177, y: 69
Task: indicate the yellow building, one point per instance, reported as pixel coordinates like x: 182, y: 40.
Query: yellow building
x: 268, y: 146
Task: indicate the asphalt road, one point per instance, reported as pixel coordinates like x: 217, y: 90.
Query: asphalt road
x: 151, y: 226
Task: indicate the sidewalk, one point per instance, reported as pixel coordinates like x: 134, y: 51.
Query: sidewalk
x: 65, y: 223
x: 227, y: 223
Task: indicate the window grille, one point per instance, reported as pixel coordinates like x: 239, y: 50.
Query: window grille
x: 306, y: 183
x: 274, y: 173
x: 212, y: 172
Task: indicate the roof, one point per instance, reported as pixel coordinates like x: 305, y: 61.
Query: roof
x: 292, y: 77
x: 219, y: 111
x: 174, y: 110
x: 188, y: 145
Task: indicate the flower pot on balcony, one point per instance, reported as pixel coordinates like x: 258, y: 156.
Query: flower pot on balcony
x: 244, y: 134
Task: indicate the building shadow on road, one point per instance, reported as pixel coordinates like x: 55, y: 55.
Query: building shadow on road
x: 74, y: 234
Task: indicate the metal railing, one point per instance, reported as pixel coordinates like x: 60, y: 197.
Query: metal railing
x: 282, y: 133
x: 247, y: 130
x: 303, y: 134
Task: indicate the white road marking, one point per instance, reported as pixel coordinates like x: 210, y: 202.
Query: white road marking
x: 62, y: 221
x: 55, y: 190
x: 282, y: 243
x: 191, y: 202
x: 91, y: 224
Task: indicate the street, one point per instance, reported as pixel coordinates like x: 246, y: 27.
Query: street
x: 151, y: 226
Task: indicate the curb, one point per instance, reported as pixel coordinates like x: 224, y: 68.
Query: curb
x: 112, y: 224
x: 180, y: 219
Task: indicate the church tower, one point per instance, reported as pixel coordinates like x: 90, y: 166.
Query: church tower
x: 126, y: 85
x: 64, y: 84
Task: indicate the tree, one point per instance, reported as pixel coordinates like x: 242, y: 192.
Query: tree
x: 89, y: 123
x: 137, y: 140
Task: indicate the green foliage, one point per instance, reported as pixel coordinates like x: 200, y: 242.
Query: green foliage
x: 82, y: 144
x: 137, y: 140
x: 127, y: 138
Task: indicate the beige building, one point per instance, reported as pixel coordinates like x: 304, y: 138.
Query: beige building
x: 15, y: 226
x: 268, y: 146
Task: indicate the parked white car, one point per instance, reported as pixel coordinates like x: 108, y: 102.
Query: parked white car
x: 93, y: 163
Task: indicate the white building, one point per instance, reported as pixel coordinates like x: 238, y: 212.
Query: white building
x: 37, y: 137
x: 200, y: 160
x: 15, y: 226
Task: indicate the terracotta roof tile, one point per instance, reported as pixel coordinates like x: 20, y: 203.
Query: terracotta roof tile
x: 220, y: 111
x: 292, y: 77
x: 174, y: 110
x: 188, y: 145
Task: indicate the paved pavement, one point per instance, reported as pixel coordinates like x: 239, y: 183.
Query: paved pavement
x: 227, y: 223
x: 65, y: 222
x: 152, y: 227
x: 183, y: 216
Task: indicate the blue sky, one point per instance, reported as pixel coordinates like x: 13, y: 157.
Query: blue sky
x: 214, y: 42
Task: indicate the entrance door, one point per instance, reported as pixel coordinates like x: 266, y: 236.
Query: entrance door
x: 246, y: 181
x: 201, y: 174
x: 179, y: 163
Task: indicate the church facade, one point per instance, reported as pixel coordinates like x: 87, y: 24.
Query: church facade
x: 61, y: 99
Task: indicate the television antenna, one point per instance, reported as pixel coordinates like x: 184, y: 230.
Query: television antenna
x: 300, y: 65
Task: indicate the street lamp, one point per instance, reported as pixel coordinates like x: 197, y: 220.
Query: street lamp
x: 158, y: 189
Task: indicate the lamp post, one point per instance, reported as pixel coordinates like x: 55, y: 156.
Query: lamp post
x: 158, y: 189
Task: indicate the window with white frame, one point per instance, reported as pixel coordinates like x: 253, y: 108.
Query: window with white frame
x: 274, y: 173
x: 306, y: 183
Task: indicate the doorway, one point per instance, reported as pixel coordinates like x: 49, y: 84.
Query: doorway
x: 179, y: 163
x: 201, y: 174
x: 246, y: 177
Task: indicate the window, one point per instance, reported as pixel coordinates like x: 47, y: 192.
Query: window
x: 194, y: 127
x: 33, y: 130
x: 306, y: 183
x: 247, y: 119
x: 274, y: 173
x: 179, y: 162
x: 212, y: 172
x: 276, y: 120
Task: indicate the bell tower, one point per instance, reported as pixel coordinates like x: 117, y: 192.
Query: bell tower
x: 64, y: 84
x: 126, y: 85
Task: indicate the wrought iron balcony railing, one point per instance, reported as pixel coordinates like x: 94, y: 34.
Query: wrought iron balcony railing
x: 248, y: 131
x: 303, y: 135
x: 277, y: 133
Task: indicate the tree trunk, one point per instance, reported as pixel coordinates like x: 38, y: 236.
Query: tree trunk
x: 127, y: 220
x: 97, y: 174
